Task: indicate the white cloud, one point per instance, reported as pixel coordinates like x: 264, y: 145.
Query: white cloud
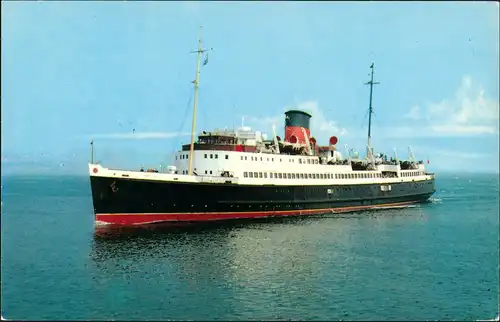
x: 140, y: 135
x: 434, y: 131
x: 459, y: 130
x: 319, y: 122
x: 414, y: 113
x: 265, y: 121
x: 468, y: 113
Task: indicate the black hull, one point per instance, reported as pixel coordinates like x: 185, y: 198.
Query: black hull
x: 118, y: 198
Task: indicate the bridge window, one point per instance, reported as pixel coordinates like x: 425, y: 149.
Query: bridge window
x: 265, y: 175
x: 245, y: 174
x: 255, y: 175
x: 275, y: 175
x: 216, y: 156
x: 260, y: 174
x: 289, y: 175
x: 211, y: 156
x: 210, y: 171
x: 280, y: 175
x: 250, y: 174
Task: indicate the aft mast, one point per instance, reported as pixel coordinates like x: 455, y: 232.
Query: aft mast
x: 371, y: 83
x: 199, y: 51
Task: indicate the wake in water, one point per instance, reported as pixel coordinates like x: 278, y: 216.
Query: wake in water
x: 397, y: 207
x: 435, y: 200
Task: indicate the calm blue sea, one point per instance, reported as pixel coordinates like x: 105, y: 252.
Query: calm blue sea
x: 437, y: 261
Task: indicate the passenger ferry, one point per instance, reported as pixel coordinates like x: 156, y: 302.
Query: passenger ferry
x: 237, y: 174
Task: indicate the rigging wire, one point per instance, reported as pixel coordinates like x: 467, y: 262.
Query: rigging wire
x: 178, y: 132
x: 364, y: 119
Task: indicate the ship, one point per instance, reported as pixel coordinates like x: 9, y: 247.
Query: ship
x: 227, y: 175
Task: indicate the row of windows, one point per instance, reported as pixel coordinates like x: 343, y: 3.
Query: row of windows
x: 301, y: 161
x: 252, y: 158
x: 215, y: 156
x: 206, y: 171
x: 212, y: 156
x: 311, y: 175
x: 412, y: 173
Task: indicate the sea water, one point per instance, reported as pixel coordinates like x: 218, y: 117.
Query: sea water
x: 435, y: 261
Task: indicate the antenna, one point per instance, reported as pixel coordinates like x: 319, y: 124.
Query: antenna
x: 276, y: 143
x: 348, y: 154
x: 371, y: 83
x: 412, y: 157
x: 196, y: 82
x: 92, y: 151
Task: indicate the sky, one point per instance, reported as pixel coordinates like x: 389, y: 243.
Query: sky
x: 120, y: 73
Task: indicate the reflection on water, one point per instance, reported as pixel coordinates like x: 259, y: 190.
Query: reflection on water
x: 238, y: 268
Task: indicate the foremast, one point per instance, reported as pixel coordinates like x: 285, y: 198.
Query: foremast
x: 370, y: 112
x: 199, y: 51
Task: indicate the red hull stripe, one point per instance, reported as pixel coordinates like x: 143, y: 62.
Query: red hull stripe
x: 145, y: 218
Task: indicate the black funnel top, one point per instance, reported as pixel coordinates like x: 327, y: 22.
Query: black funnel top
x: 297, y: 118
